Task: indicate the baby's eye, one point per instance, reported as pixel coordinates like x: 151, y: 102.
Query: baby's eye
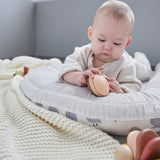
x: 102, y: 40
x: 116, y: 44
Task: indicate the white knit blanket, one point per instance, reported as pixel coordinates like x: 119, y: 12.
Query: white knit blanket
x: 31, y: 132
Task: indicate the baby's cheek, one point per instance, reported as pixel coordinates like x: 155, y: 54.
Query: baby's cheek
x: 96, y: 48
x: 117, y: 54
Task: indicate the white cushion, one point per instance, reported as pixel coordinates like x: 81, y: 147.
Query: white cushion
x: 115, y: 113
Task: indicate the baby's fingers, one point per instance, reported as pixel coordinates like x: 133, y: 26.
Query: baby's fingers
x: 100, y: 68
x: 96, y: 70
x: 87, y: 73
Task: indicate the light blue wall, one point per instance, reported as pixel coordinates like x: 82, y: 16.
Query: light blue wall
x: 62, y: 24
x: 17, y: 34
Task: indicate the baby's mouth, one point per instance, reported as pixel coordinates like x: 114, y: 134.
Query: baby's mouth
x: 106, y: 54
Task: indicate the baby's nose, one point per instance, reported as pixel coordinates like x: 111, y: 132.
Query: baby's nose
x: 107, y: 46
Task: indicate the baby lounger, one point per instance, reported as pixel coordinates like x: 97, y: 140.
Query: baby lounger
x: 116, y: 113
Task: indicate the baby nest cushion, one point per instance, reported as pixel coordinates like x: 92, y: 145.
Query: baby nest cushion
x: 116, y: 113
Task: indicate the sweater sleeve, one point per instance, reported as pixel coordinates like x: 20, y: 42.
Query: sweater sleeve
x: 128, y: 80
x: 77, y: 61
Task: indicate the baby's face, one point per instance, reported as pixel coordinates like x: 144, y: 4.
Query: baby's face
x: 109, y: 38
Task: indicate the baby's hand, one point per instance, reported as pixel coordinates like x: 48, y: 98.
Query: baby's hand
x: 80, y: 78
x: 114, y: 86
x: 91, y: 72
x: 75, y: 78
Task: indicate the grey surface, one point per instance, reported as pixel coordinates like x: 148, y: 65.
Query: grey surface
x: 62, y: 24
x: 17, y: 35
x: 121, y: 139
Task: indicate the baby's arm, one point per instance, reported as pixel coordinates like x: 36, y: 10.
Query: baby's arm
x: 80, y: 78
x: 128, y: 80
x: 77, y: 61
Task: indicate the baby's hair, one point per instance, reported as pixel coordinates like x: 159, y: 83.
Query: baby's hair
x: 118, y: 9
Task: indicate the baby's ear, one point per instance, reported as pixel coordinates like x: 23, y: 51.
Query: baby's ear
x: 90, y: 31
x: 129, y: 41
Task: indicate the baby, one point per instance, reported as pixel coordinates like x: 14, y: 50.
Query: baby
x: 109, y: 36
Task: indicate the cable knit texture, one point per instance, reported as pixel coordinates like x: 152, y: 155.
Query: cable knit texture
x: 31, y: 132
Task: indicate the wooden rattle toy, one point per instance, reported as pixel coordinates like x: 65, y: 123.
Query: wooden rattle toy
x: 143, y: 145
x: 98, y: 85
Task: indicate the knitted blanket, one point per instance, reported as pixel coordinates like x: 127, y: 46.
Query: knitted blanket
x: 31, y: 132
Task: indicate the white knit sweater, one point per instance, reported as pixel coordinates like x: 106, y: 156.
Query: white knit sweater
x: 126, y: 70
